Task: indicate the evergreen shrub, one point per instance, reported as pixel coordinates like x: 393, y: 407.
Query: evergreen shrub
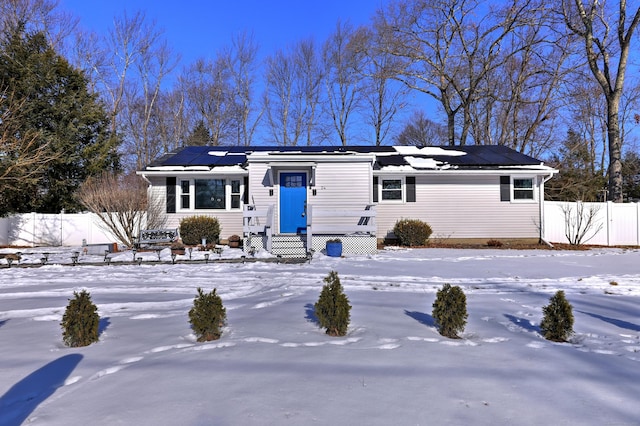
x: 194, y: 228
x: 207, y: 316
x: 332, y: 307
x: 412, y: 232
x: 450, y: 311
x: 557, y: 320
x: 80, y: 322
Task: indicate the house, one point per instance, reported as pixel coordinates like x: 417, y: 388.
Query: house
x: 289, y: 200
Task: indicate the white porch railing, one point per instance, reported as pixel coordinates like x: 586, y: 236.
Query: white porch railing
x: 364, y: 224
x: 258, y: 220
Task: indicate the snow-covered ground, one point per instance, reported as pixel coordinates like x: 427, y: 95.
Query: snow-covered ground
x: 274, y: 366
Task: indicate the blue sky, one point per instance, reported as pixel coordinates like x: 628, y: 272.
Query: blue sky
x: 198, y: 28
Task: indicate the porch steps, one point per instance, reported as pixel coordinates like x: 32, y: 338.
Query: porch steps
x: 289, y: 245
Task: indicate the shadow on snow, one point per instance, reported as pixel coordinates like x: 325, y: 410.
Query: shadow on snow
x: 25, y: 396
x: 523, y: 323
x: 421, y: 317
x: 619, y: 323
x: 103, y: 325
x: 310, y: 313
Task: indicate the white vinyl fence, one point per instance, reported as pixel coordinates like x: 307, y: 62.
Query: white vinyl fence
x: 612, y: 224
x: 35, y: 229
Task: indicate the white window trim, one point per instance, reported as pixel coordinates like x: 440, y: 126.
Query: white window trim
x: 534, y: 184
x: 403, y: 189
x: 192, y: 194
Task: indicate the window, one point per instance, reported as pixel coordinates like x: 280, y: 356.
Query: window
x: 210, y: 193
x: 235, y: 194
x: 391, y: 190
x: 394, y: 189
x: 523, y: 189
x: 514, y: 189
x: 293, y: 181
x: 185, y: 194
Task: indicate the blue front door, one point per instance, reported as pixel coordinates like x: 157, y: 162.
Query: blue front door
x: 293, y: 200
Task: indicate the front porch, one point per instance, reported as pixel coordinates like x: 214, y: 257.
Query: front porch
x: 355, y: 228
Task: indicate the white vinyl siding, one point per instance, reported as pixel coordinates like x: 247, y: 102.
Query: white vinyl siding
x: 337, y: 186
x: 230, y: 220
x: 463, y: 206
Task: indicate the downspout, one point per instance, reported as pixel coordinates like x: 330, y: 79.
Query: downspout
x: 541, y: 210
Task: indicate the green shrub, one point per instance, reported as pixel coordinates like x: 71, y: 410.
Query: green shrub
x: 557, y: 320
x: 332, y: 307
x: 80, y: 322
x: 412, y: 232
x: 207, y: 316
x: 450, y: 311
x: 194, y: 228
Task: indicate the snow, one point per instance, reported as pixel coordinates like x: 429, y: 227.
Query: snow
x: 273, y: 365
x: 428, y: 150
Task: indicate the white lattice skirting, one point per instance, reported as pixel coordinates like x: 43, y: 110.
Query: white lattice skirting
x: 351, y: 244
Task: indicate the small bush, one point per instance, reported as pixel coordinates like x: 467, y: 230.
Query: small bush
x: 332, y: 307
x: 194, y: 228
x: 557, y: 320
x: 450, y: 311
x: 207, y: 316
x: 412, y: 232
x: 80, y: 322
x: 494, y: 243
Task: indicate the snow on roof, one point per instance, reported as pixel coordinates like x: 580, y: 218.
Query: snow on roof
x: 428, y: 150
x: 422, y: 162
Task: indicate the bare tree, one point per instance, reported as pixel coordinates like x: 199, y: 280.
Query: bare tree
x: 293, y: 80
x: 38, y: 16
x: 241, y: 61
x: 342, y: 61
x: 209, y: 95
x: 588, y: 112
x: 24, y: 157
x: 171, y: 119
x: 580, y: 224
x: 121, y: 204
x: 421, y: 131
x: 607, y: 35
x: 382, y: 94
x: 449, y: 47
x: 127, y: 68
x: 154, y: 63
x: 310, y: 77
x: 521, y: 99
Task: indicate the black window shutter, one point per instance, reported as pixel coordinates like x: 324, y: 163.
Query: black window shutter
x: 246, y: 190
x: 171, y: 194
x: 505, y: 188
x: 375, y: 189
x: 410, y: 183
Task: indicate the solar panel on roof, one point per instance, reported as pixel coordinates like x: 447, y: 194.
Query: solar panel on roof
x: 475, y: 155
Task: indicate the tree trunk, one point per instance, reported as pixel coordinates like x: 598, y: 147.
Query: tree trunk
x: 615, y: 150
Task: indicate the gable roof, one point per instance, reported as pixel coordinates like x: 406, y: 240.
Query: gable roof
x: 386, y: 157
